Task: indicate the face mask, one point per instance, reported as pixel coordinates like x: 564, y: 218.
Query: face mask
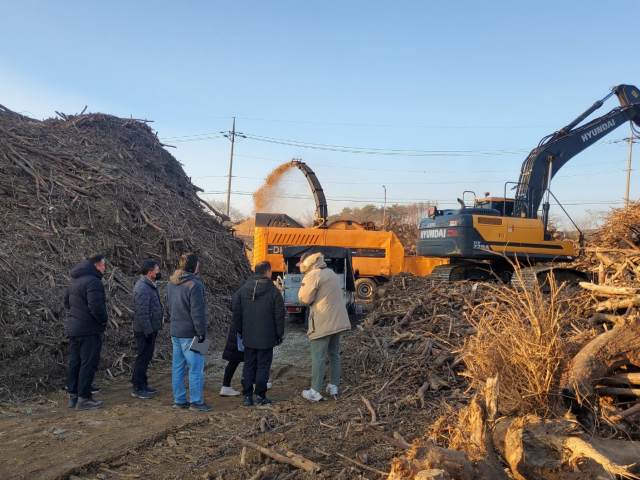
x: 158, y: 276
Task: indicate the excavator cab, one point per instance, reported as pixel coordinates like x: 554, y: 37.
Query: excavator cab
x: 502, y: 205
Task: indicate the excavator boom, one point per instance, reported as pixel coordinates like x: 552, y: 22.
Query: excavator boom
x: 556, y: 150
x: 485, y: 241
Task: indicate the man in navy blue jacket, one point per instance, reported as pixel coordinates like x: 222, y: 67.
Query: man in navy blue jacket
x: 147, y: 320
x: 85, y: 299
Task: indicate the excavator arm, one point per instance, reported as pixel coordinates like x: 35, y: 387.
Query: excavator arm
x: 322, y: 211
x: 556, y: 150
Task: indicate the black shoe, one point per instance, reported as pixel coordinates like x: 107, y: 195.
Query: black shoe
x: 248, y: 402
x: 95, y: 389
x: 181, y: 405
x: 200, y: 407
x: 263, y: 401
x: 141, y: 393
x: 88, y: 404
x: 73, y: 401
x: 149, y: 389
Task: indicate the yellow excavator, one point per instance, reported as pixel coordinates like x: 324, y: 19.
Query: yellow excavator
x: 484, y: 240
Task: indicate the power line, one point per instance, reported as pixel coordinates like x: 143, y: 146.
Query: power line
x: 442, y: 172
x: 397, y: 201
x: 422, y: 183
x: 363, y: 150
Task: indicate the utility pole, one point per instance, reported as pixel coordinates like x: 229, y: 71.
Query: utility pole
x: 384, y: 209
x: 233, y: 137
x: 626, y: 196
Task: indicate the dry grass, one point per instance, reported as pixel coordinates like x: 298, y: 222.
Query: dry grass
x: 519, y: 338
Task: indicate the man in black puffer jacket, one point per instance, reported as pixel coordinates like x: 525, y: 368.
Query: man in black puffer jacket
x: 147, y: 320
x: 86, y: 301
x: 258, y: 313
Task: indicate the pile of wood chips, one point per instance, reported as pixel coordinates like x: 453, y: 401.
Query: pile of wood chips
x: 407, y: 234
x: 86, y: 184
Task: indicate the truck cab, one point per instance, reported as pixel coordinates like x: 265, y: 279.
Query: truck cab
x: 337, y: 259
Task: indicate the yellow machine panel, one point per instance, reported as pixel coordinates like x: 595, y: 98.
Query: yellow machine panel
x: 374, y: 253
x: 518, y: 235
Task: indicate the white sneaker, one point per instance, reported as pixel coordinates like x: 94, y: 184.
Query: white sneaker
x: 228, y: 392
x: 312, y: 395
x: 332, y: 389
x: 268, y: 386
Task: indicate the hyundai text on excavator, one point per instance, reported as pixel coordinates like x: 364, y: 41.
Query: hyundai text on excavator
x: 483, y: 241
x: 376, y: 255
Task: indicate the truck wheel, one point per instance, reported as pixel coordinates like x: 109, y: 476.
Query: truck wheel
x: 365, y: 288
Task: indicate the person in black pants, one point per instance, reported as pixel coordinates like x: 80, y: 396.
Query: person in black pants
x: 258, y: 314
x: 231, y: 353
x: 147, y: 320
x: 85, y: 299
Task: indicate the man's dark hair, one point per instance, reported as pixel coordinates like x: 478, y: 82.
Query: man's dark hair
x: 148, y: 265
x: 188, y: 262
x: 262, y: 268
x: 95, y: 258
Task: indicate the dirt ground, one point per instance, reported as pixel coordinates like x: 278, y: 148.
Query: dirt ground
x: 133, y: 438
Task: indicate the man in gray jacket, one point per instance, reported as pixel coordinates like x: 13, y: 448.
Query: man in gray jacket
x: 185, y: 301
x: 147, y: 320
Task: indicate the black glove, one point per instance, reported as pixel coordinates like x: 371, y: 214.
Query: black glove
x: 201, y: 338
x: 148, y: 338
x: 279, y: 340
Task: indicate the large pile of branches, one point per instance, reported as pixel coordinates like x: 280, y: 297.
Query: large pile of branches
x: 537, y: 382
x: 612, y: 254
x: 86, y: 184
x: 245, y: 231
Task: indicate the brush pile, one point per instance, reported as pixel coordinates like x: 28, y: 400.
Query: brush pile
x: 539, y: 380
x: 408, y: 348
x: 407, y: 234
x: 83, y: 184
x: 245, y: 231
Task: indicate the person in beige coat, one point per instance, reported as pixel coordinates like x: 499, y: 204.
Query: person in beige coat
x: 320, y: 291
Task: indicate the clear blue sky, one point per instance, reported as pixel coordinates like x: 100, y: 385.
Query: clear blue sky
x: 481, y: 77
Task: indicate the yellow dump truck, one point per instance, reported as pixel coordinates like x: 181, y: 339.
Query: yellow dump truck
x: 376, y: 255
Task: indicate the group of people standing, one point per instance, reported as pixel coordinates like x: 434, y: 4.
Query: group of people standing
x: 256, y: 328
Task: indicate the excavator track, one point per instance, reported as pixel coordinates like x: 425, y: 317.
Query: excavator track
x: 456, y: 272
x: 529, y: 277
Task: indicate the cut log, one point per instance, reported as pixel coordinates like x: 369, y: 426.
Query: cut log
x: 613, y: 304
x: 629, y: 392
x: 598, y: 359
x: 282, y: 456
x: 626, y: 413
x: 597, y: 318
x: 537, y: 448
x: 609, y: 290
x: 632, y: 378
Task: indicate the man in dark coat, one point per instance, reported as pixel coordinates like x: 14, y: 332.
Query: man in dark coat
x: 85, y: 299
x: 187, y: 309
x: 231, y: 354
x: 258, y: 313
x: 147, y: 320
